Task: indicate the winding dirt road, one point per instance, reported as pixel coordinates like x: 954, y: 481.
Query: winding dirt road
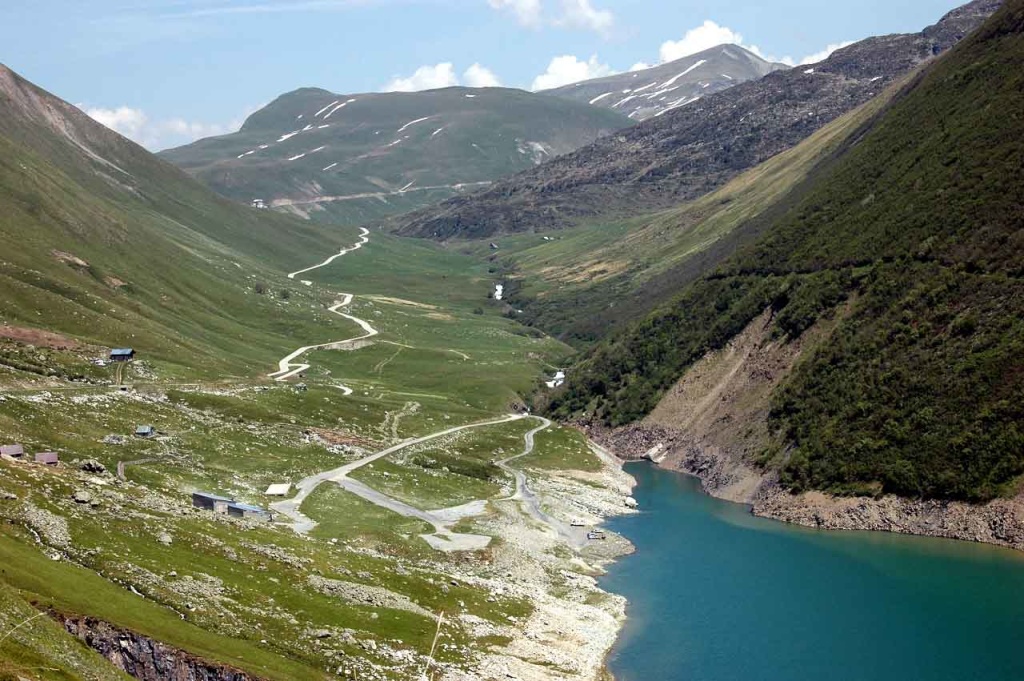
x: 364, y: 238
x: 574, y: 536
x: 442, y: 520
x: 288, y: 366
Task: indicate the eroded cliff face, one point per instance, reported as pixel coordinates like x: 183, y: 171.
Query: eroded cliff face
x: 142, y: 657
x: 713, y: 424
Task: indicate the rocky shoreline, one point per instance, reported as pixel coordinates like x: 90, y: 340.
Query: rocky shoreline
x: 575, y: 623
x: 999, y: 522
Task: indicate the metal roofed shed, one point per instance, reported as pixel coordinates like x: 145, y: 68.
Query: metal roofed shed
x: 279, y: 490
x: 14, y: 451
x: 238, y: 510
x: 48, y: 458
x: 145, y: 431
x: 122, y: 354
x: 211, y: 502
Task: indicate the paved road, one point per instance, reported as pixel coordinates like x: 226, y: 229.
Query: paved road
x: 277, y: 203
x: 303, y: 524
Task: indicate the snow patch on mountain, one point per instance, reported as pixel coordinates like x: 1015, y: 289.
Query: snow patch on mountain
x: 411, y: 123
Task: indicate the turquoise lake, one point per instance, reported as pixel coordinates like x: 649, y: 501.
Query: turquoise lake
x: 716, y: 594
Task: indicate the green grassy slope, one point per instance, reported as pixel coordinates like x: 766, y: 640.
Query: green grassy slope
x: 387, y: 153
x: 108, y: 244
x: 919, y: 223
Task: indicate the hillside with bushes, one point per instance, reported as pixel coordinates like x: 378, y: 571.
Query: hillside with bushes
x: 915, y: 229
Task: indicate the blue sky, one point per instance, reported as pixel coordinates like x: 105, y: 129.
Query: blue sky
x: 168, y: 71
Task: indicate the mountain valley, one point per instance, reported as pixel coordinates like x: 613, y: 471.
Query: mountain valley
x: 360, y: 390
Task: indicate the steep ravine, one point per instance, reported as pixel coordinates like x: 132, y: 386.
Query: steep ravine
x: 142, y: 657
x: 713, y: 423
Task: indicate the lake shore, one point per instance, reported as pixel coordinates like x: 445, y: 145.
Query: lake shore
x: 717, y: 593
x: 574, y: 622
x: 726, y: 476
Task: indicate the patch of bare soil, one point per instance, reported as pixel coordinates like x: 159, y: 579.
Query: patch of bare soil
x: 714, y: 422
x: 401, y: 301
x: 342, y: 437
x: 69, y: 258
x: 38, y: 338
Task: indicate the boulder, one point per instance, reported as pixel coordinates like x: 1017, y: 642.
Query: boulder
x: 92, y: 466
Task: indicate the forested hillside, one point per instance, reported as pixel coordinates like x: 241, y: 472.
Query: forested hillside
x: 914, y: 235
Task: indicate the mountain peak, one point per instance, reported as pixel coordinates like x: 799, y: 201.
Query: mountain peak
x: 651, y: 92
x: 363, y: 156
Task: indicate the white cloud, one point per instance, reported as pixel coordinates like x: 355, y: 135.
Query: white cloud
x: 125, y: 120
x: 568, y: 69
x: 824, y: 54
x: 526, y: 12
x: 568, y: 14
x: 480, y: 76
x: 582, y: 14
x: 711, y: 34
x: 432, y: 77
x: 425, y: 78
x: 155, y: 135
x: 704, y: 37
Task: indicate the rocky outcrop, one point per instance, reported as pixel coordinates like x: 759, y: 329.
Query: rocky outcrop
x: 998, y: 522
x: 143, y: 658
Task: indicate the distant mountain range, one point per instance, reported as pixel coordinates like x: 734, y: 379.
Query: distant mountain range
x: 695, y: 149
x: 353, y: 158
x: 653, y: 92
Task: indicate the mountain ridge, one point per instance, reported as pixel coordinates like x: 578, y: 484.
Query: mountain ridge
x: 695, y: 149
x: 351, y: 158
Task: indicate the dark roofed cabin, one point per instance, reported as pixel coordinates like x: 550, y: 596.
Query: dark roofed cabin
x: 211, y: 502
x: 48, y: 458
x: 122, y: 355
x: 247, y: 511
x: 145, y: 431
x: 14, y: 451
